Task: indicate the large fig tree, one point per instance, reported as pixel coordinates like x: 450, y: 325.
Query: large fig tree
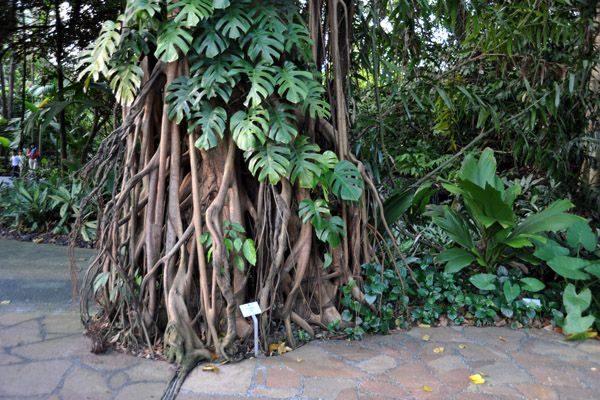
x: 231, y: 175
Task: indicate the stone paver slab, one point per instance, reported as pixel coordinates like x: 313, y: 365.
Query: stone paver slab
x: 491, y: 336
x: 563, y: 350
x: 503, y: 372
x: 87, y: 384
x: 327, y: 388
x: 351, y: 351
x: 62, y: 323
x: 315, y: 362
x: 9, y: 319
x: 141, y: 391
x: 20, y: 334
x: 32, y: 379
x: 55, y: 348
x: 150, y: 371
x: 482, y: 352
x: 378, y: 365
x: 232, y: 379
x: 276, y: 393
x: 535, y: 391
x: 282, y: 377
x: 379, y: 388
x: 110, y: 361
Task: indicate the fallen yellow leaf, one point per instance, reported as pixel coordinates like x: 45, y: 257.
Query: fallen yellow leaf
x: 425, y: 338
x: 210, y: 367
x: 38, y: 241
x: 501, y: 338
x: 477, y: 378
x: 5, y: 302
x: 438, y: 350
x: 273, y: 347
x: 298, y: 359
x: 594, y: 369
x: 424, y: 326
x: 427, y: 389
x: 463, y: 346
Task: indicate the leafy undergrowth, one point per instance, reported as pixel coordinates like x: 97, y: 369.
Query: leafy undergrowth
x: 43, y: 237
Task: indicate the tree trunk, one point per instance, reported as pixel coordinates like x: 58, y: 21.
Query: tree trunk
x: 11, y: 86
x: 3, y: 87
x: 205, y: 209
x: 60, y: 84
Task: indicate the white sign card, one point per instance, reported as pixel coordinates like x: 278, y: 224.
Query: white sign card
x: 250, y: 309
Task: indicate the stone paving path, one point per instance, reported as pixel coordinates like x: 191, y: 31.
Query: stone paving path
x: 43, y: 355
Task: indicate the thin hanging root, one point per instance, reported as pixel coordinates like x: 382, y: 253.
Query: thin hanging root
x: 214, y: 217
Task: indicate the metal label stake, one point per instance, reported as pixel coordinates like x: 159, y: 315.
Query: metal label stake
x: 251, y: 310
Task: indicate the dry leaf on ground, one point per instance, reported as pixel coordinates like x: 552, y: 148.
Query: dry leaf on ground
x: 425, y: 338
x: 477, y: 378
x: 210, y: 367
x: 427, y: 389
x: 438, y: 350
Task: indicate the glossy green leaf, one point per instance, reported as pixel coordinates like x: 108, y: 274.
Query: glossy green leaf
x: 455, y: 258
x: 532, y: 284
x: 345, y: 181
x: 483, y: 281
x: 249, y: 129
x: 510, y: 291
x: 581, y: 233
x: 304, y: 162
x: 250, y: 251
x: 576, y: 302
x: 233, y: 23
x: 553, y: 218
x: 291, y: 82
x: 210, y: 42
x: 272, y: 160
x: 172, y: 38
x: 569, y: 267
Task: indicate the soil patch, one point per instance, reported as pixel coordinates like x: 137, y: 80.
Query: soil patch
x: 48, y: 238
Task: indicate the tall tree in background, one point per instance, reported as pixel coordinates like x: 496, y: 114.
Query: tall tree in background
x: 230, y: 184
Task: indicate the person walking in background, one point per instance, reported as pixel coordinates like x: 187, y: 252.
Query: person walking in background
x: 34, y: 156
x: 14, y: 163
x: 22, y: 159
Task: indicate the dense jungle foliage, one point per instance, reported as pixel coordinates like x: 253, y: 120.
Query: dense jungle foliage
x: 354, y: 167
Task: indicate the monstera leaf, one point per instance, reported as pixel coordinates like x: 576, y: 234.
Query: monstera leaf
x: 233, y: 23
x: 191, y: 12
x: 172, y: 38
x: 213, y: 122
x: 304, y: 163
x: 183, y: 97
x: 345, y: 181
x: 249, y: 129
x: 291, y: 82
x: 272, y: 160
